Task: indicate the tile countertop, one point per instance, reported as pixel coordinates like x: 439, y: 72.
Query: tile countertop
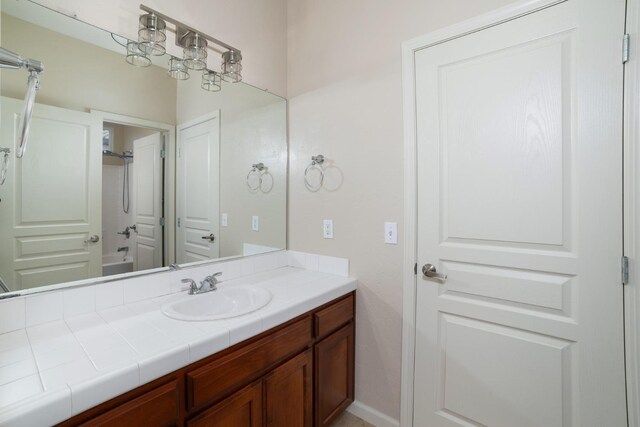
x: 53, y: 371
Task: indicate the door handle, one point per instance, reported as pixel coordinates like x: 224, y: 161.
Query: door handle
x: 210, y: 237
x: 93, y: 239
x: 429, y: 270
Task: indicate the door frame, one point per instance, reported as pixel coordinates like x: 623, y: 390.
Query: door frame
x: 409, y: 279
x: 169, y: 183
x: 631, y: 197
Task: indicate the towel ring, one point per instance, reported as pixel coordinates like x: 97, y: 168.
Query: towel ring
x: 316, y: 163
x: 256, y: 169
x: 266, y: 188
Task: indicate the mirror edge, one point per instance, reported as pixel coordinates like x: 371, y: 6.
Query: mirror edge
x: 124, y: 276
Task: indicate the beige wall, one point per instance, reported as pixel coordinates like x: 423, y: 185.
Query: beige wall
x: 81, y: 76
x: 252, y: 130
x: 253, y: 136
x: 345, y: 90
x: 257, y: 27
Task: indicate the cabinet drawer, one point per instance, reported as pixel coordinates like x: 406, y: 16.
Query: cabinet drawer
x: 159, y: 407
x: 223, y: 376
x: 334, y: 316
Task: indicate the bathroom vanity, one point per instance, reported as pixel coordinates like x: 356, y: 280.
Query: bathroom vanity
x: 297, y: 374
x: 114, y: 354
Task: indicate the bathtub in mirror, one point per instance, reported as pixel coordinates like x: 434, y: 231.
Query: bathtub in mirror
x: 128, y: 169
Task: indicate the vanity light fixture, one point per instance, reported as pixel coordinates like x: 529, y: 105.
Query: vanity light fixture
x: 136, y: 56
x: 232, y: 66
x: 211, y: 81
x: 177, y: 69
x: 152, y: 34
x: 195, y: 51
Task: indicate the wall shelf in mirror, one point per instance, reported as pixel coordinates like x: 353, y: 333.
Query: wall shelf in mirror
x: 47, y: 213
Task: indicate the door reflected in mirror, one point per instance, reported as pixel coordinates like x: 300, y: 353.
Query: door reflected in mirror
x: 129, y: 169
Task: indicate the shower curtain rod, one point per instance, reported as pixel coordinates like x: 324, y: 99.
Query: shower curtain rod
x: 124, y: 155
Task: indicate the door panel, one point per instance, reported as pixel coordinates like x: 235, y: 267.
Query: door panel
x: 519, y: 203
x: 48, y: 213
x: 289, y: 393
x: 147, y: 202
x: 198, y: 176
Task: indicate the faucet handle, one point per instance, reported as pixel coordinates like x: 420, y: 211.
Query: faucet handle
x: 213, y: 278
x: 193, y: 287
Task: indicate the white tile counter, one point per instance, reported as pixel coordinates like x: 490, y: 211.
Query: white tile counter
x: 52, y: 370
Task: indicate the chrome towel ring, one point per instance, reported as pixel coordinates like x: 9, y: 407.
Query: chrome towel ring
x: 316, y: 164
x: 256, y: 171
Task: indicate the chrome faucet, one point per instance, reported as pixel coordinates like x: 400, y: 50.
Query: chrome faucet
x: 126, y: 232
x: 207, y: 285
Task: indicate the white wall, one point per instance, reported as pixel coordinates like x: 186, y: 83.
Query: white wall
x: 256, y: 27
x: 345, y: 90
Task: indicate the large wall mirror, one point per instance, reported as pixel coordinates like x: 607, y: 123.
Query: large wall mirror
x: 128, y: 169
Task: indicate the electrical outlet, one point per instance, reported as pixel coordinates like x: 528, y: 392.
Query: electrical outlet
x: 224, y: 220
x: 391, y: 233
x: 255, y: 223
x: 327, y: 229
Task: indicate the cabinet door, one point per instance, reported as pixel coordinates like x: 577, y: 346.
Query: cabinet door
x: 241, y: 409
x: 288, y: 393
x: 334, y: 364
x: 158, y: 407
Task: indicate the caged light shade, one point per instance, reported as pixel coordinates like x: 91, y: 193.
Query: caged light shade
x: 177, y: 69
x: 211, y: 81
x: 152, y: 34
x: 232, y: 66
x: 136, y: 56
x: 195, y: 52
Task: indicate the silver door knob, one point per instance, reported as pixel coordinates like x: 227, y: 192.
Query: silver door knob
x: 93, y: 239
x: 429, y: 270
x: 210, y: 237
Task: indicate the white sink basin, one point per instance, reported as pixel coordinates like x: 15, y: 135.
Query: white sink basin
x: 221, y: 304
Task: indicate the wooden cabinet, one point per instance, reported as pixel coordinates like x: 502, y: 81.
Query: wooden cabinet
x: 299, y: 374
x: 289, y: 393
x: 241, y: 409
x: 334, y: 366
x: 159, y: 407
x: 224, y: 375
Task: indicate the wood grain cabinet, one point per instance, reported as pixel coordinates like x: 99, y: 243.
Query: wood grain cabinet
x: 288, y: 393
x: 300, y: 374
x: 334, y: 366
x: 241, y: 409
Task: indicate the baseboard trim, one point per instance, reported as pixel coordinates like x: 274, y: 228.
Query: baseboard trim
x: 372, y: 416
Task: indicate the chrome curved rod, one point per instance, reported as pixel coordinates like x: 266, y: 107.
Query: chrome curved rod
x: 33, y: 84
x: 14, y: 61
x: 4, y: 169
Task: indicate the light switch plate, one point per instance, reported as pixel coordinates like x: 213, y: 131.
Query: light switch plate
x: 391, y: 233
x: 255, y: 223
x: 327, y: 229
x: 224, y: 220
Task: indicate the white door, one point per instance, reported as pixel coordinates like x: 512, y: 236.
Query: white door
x: 51, y: 201
x: 198, y: 190
x: 147, y: 202
x: 519, y: 204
